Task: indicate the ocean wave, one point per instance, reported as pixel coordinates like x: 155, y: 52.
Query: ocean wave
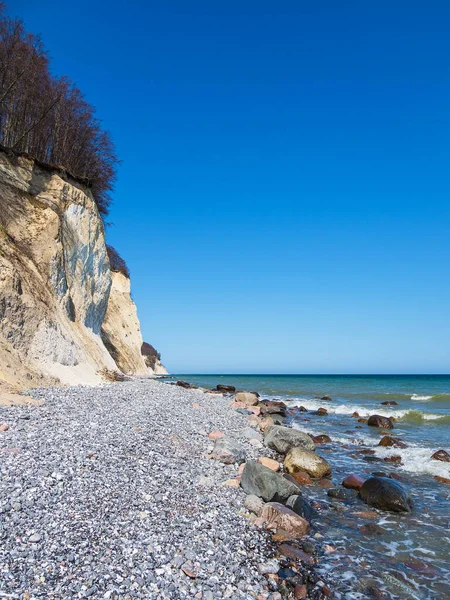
x: 406, y: 415
x: 420, y: 398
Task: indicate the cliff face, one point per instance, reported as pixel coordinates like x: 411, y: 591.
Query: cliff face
x: 55, y: 281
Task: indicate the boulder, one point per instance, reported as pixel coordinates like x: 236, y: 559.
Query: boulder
x: 441, y: 455
x: 389, y: 403
x: 302, y: 459
x: 278, y: 516
x: 260, y: 481
x: 183, y: 384
x: 388, y: 441
x: 322, y: 411
x: 295, y: 554
x: 327, y: 398
x: 300, y: 478
x: 254, y: 504
x: 355, y: 415
x: 277, y: 418
x: 215, y: 434
x: 342, y: 493
x: 270, y: 463
x: 228, y: 451
x: 301, y: 507
x: 225, y: 388
x: 272, y: 406
x: 386, y: 494
x: 282, y: 439
x: 265, y: 423
x: 321, y: 439
x: 302, y: 409
x: 380, y: 421
x: 353, y: 481
x: 371, y: 529
x: 247, y: 398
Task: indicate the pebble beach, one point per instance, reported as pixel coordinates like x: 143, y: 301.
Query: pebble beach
x: 109, y: 492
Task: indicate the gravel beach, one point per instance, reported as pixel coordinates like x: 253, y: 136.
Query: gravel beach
x: 108, y: 492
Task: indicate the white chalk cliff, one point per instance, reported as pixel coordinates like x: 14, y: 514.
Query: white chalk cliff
x: 55, y: 283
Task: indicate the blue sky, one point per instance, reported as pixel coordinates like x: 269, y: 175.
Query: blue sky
x: 283, y: 197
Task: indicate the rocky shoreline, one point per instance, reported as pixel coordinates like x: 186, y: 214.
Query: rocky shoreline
x: 146, y: 490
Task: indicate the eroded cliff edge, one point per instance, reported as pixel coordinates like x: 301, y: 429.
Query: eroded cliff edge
x: 56, y: 282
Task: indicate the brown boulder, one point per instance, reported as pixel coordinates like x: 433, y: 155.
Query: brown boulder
x: 216, y: 434
x: 322, y: 439
x: 389, y: 441
x: 353, y: 481
x: 380, y: 421
x: 441, y: 479
x: 441, y: 455
x: 225, y: 388
x: 183, y: 384
x: 355, y: 414
x: 278, y: 516
x: 301, y: 478
x: 295, y: 554
x: 302, y: 459
x: 322, y: 411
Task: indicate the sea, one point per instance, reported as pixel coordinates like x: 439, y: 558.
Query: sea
x: 408, y: 555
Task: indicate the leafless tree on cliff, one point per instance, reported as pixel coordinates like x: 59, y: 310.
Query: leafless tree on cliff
x: 47, y: 117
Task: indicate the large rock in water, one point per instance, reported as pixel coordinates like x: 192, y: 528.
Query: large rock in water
x: 228, y: 451
x: 301, y: 459
x: 262, y: 482
x: 386, y: 494
x: 278, y: 516
x: 282, y: 439
x: 380, y: 421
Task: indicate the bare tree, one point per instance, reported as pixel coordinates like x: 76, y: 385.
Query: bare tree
x: 48, y: 117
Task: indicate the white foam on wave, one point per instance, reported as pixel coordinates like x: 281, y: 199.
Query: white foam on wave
x: 363, y: 411
x: 420, y: 398
x: 416, y: 459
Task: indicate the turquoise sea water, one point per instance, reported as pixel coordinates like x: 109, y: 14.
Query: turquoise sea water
x: 411, y: 559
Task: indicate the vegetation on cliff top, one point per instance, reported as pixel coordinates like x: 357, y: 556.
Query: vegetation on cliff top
x: 116, y: 262
x: 47, y: 117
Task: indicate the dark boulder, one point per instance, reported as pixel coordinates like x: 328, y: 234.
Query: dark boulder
x: 342, y: 493
x: 327, y: 398
x: 269, y: 407
x: 390, y: 403
x: 386, y: 494
x: 322, y: 439
x: 302, y: 409
x: 441, y: 455
x: 322, y: 411
x: 302, y: 507
x: 183, y: 384
x: 226, y: 388
x: 380, y: 421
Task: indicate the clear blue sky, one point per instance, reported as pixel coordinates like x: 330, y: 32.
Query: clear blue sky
x: 283, y: 200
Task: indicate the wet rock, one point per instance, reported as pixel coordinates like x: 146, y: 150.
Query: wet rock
x: 380, y: 421
x: 265, y: 423
x: 390, y: 403
x: 183, y: 384
x: 327, y: 398
x: 247, y: 398
x: 228, y: 451
x: 355, y: 414
x: 300, y: 592
x: 342, y: 493
x: 302, y: 409
x: 441, y: 455
x: 295, y: 553
x: 301, y: 478
x: 326, y: 483
x: 278, y: 516
x: 397, y: 460
x: 441, y: 479
x: 389, y: 441
x: 260, y: 481
x: 226, y: 388
x: 301, y: 507
x: 322, y: 439
x: 386, y: 494
x: 270, y: 463
x: 254, y: 504
x: 269, y: 407
x: 322, y: 412
x: 353, y: 481
x: 371, y: 529
x: 362, y: 420
x: 302, y: 459
x: 282, y: 439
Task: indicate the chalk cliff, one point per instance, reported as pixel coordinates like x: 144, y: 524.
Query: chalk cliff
x: 55, y: 283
